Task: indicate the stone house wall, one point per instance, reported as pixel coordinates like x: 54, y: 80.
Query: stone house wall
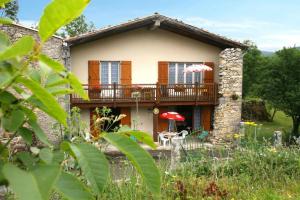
x: 227, y: 115
x: 53, y: 48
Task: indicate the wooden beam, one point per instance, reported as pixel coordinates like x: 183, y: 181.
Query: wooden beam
x: 155, y: 25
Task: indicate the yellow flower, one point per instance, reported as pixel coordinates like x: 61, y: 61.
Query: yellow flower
x: 236, y: 136
x: 273, y: 149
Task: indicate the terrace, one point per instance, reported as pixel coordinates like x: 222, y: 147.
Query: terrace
x: 148, y: 94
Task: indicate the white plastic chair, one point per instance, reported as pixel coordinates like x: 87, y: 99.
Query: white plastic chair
x: 183, y: 133
x: 163, y: 140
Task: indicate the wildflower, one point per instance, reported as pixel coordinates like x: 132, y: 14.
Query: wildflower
x: 236, y: 136
x: 273, y: 150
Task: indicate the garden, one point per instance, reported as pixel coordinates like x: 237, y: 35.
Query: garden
x: 253, y: 164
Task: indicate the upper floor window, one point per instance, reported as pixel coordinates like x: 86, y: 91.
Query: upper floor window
x: 110, y: 72
x: 176, y: 75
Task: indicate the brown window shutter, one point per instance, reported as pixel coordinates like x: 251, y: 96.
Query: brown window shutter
x: 126, y: 120
x: 94, y: 78
x: 205, y: 117
x: 209, y: 75
x: 163, y: 72
x: 126, y: 77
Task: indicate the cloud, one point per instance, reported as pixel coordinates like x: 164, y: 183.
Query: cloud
x: 267, y: 35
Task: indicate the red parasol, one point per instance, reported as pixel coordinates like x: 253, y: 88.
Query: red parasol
x: 172, y: 115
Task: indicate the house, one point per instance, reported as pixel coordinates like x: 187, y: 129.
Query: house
x: 140, y: 63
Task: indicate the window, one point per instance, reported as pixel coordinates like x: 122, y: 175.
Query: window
x: 176, y: 75
x: 110, y: 72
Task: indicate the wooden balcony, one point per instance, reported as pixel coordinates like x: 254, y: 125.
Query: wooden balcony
x: 113, y: 95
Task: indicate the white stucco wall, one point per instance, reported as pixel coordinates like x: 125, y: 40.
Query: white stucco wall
x: 144, y: 48
x: 145, y: 119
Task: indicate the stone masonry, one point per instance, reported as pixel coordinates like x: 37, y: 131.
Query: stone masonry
x: 53, y: 48
x: 227, y: 115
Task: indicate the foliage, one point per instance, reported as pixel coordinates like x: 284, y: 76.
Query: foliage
x: 31, y: 82
x: 77, y: 26
x: 280, y: 84
x: 10, y: 10
x: 252, y: 65
x: 253, y: 172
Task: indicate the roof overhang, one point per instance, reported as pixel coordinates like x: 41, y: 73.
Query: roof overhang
x: 162, y: 22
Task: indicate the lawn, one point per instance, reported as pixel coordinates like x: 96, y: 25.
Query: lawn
x: 280, y: 122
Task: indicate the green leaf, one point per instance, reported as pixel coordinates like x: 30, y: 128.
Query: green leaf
x: 56, y: 66
x: 55, y: 80
x: 53, y: 107
x: 13, y: 121
x: 3, y: 2
x: 94, y: 165
x: 71, y: 188
x: 140, y: 159
x: 7, y: 97
x: 26, y: 134
x: 59, y: 13
x: 20, y: 48
x: 27, y: 159
x: 139, y: 135
x: 4, y: 40
x: 31, y: 185
x: 46, y: 177
x: 5, y: 21
x: 77, y: 86
x: 39, y: 132
x: 46, y: 155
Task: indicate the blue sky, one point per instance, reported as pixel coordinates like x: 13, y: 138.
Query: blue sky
x: 271, y: 24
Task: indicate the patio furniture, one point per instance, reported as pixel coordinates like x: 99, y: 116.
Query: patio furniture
x: 202, y: 135
x: 163, y: 140
x: 182, y: 135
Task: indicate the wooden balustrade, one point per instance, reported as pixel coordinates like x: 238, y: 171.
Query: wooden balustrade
x: 205, y: 93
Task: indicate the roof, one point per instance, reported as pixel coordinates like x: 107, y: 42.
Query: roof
x: 158, y: 21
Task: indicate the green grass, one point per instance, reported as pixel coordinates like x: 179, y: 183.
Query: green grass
x: 280, y: 122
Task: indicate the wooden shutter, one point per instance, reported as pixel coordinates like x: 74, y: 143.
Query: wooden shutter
x: 94, y: 78
x: 162, y: 123
x: 163, y: 72
x: 209, y: 75
x: 126, y: 77
x: 205, y: 117
x: 126, y: 120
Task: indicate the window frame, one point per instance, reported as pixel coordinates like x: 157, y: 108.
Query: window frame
x: 185, y: 74
x: 110, y: 72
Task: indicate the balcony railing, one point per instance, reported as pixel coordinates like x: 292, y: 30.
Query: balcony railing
x: 149, y: 93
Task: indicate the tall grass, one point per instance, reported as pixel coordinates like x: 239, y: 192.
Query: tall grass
x: 252, y: 172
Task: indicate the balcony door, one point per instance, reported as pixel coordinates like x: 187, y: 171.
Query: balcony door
x: 110, y: 72
x: 176, y: 75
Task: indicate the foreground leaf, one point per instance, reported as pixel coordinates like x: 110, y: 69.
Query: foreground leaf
x: 140, y: 159
x: 53, y: 64
x: 53, y: 107
x: 13, y: 122
x: 39, y: 132
x: 20, y: 48
x: 139, y: 135
x: 28, y: 185
x: 77, y: 86
x: 26, y: 135
x: 93, y: 163
x: 71, y: 188
x: 59, y: 13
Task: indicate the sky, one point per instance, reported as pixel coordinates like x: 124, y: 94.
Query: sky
x: 270, y: 24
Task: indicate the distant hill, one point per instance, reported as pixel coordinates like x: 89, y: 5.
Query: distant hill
x: 270, y: 53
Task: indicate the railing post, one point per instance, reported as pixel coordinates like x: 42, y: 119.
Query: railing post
x: 157, y: 93
x: 114, y: 89
x: 197, y: 90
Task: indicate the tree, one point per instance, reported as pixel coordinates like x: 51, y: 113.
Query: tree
x: 253, y: 62
x: 77, y: 27
x: 280, y: 84
x: 10, y: 10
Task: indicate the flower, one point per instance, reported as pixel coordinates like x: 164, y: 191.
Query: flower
x: 236, y: 136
